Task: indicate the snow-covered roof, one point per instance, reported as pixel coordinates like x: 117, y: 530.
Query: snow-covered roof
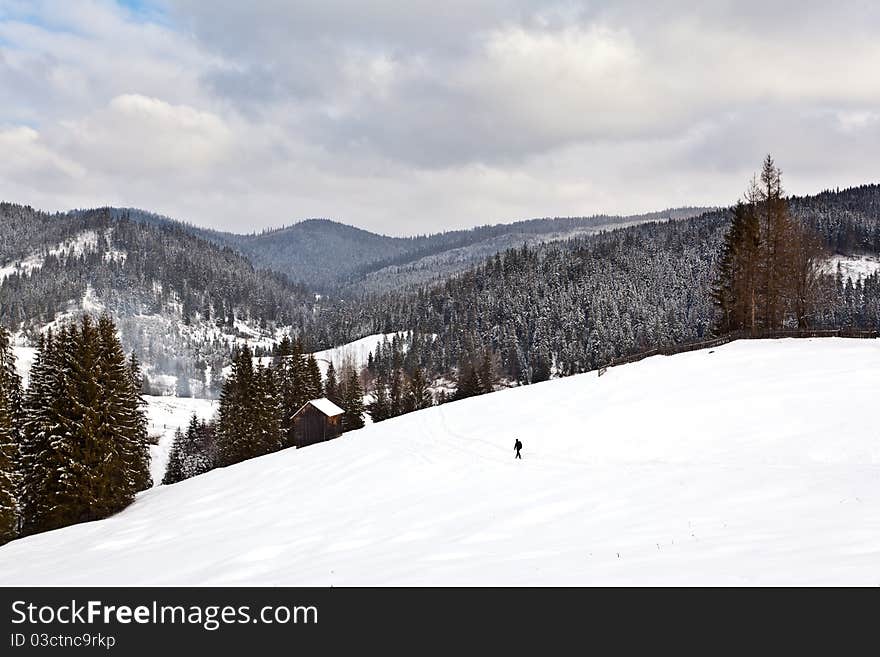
x: 324, y: 405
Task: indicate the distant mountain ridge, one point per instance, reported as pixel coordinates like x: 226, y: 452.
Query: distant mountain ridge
x: 330, y: 256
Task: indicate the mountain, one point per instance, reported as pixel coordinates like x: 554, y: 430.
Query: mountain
x: 572, y: 305
x: 540, y: 298
x: 181, y: 302
x: 332, y: 257
x: 674, y: 470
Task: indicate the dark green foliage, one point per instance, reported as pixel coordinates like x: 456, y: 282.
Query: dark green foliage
x: 84, y: 448
x: 380, y: 408
x: 191, y: 452
x: 769, y: 272
x: 353, y: 403
x: 418, y: 394
x: 250, y: 418
x: 468, y: 382
x: 10, y: 419
x: 331, y: 386
x: 314, y: 389
x: 235, y: 424
x: 266, y: 408
x: 174, y: 468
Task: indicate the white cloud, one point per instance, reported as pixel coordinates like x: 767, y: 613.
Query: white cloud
x: 418, y: 116
x: 147, y: 136
x: 26, y: 158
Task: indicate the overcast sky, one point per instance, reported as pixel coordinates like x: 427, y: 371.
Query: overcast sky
x: 410, y: 116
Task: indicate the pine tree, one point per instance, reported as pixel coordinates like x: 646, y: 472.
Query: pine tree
x: 353, y: 403
x: 10, y: 418
x: 770, y: 265
x: 124, y: 416
x: 235, y: 426
x: 176, y: 456
x: 36, y: 433
x: 395, y: 394
x: 468, y: 381
x: 418, y: 394
x: 487, y: 373
x: 84, y: 448
x: 313, y: 386
x: 266, y: 407
x: 191, y: 452
x: 289, y: 373
x: 331, y: 387
x: 736, y: 289
x: 379, y: 408
x: 251, y: 411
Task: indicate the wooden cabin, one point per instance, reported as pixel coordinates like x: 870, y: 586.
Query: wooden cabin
x: 318, y: 420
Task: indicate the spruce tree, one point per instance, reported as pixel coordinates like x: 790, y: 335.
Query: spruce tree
x: 353, y: 403
x: 36, y: 434
x: 191, y: 452
x: 314, y: 386
x: 174, y: 469
x: 487, y: 373
x: 84, y: 448
x: 379, y: 408
x: 10, y: 418
x: 124, y: 419
x: 235, y: 427
x: 331, y: 387
x: 396, y: 393
x: 418, y: 394
x: 267, y: 409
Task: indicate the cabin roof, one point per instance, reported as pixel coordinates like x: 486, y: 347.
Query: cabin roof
x: 324, y: 405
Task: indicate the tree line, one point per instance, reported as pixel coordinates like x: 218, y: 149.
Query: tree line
x: 770, y: 267
x: 257, y: 406
x: 73, y: 446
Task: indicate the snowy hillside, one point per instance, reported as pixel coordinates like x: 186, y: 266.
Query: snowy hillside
x: 753, y: 463
x: 355, y: 353
x: 853, y: 267
x: 165, y: 415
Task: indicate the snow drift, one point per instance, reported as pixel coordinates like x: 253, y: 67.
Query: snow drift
x: 753, y: 463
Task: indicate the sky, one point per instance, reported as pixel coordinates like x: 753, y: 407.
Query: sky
x: 411, y: 116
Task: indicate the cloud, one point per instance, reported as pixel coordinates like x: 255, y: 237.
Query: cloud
x: 417, y: 116
x: 27, y: 158
x: 147, y: 136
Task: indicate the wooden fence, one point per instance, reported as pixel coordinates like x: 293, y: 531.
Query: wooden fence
x: 739, y: 335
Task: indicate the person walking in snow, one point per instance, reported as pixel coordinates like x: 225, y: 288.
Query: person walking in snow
x: 517, y: 446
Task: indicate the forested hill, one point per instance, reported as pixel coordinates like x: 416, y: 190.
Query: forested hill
x: 333, y: 257
x: 847, y: 219
x: 553, y: 304
x: 570, y: 306
x: 180, y: 300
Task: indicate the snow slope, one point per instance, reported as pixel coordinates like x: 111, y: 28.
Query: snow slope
x: 24, y: 358
x: 854, y: 267
x: 753, y: 463
x: 87, y: 239
x: 357, y: 353
x: 164, y: 415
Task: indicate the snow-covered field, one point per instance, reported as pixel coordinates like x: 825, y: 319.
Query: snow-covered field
x: 24, y: 358
x: 165, y: 415
x: 356, y: 353
x: 854, y: 267
x: 753, y: 463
